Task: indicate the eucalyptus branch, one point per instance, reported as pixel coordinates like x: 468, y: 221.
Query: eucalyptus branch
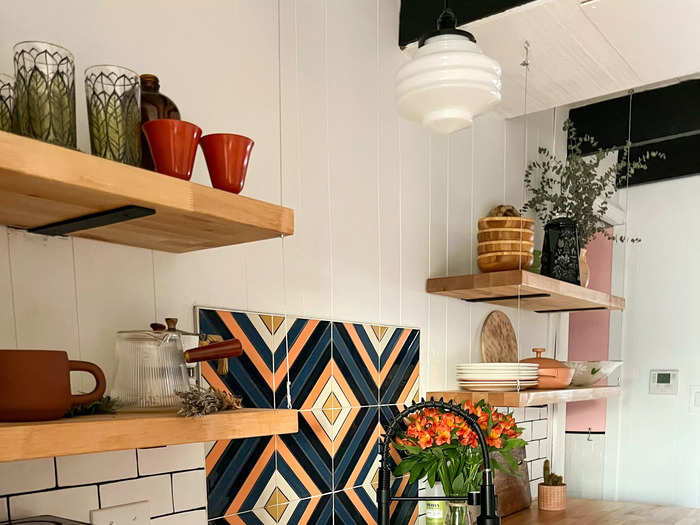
x: 579, y: 188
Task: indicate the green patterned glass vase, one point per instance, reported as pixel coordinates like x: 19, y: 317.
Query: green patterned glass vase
x: 45, y: 93
x: 7, y: 102
x: 114, y: 114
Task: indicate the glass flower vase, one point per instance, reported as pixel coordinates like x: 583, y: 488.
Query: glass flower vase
x: 458, y: 513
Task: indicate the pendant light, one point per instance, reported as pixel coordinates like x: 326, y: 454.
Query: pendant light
x: 449, y: 80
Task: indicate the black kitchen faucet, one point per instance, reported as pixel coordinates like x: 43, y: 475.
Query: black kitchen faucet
x: 486, y: 498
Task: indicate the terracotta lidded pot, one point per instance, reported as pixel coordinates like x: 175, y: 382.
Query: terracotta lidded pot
x: 551, y: 373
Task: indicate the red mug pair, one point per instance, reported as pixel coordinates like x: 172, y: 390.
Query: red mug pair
x: 173, y: 145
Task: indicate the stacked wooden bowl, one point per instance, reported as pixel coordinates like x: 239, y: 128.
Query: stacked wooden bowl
x: 505, y: 243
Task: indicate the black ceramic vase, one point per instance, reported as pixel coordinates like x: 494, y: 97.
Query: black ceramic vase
x: 560, y: 251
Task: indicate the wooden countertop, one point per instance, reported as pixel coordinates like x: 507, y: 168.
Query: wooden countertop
x: 599, y: 512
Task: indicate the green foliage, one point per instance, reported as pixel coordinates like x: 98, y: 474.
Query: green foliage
x: 105, y: 405
x: 549, y: 477
x: 579, y: 188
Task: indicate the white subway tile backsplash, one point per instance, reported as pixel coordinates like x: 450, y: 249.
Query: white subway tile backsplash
x: 74, y: 503
x: 156, y: 489
x: 195, y: 517
x: 543, y: 412
x: 532, y: 450
x: 519, y: 414
x: 546, y: 447
x: 3, y: 509
x: 170, y: 459
x: 533, y: 487
x: 532, y: 413
x: 26, y: 476
x: 93, y: 468
x: 527, y: 431
x: 189, y: 490
x: 539, y: 429
x: 536, y: 468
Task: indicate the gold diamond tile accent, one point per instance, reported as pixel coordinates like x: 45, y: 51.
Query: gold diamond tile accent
x: 272, y: 322
x: 276, y: 504
x: 330, y: 408
x: 379, y: 331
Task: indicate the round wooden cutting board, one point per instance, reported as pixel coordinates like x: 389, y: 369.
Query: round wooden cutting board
x: 498, y: 341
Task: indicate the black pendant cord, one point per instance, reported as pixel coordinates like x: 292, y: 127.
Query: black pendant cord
x: 487, y: 495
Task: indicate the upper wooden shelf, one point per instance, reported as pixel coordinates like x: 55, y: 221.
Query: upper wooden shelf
x: 528, y: 398
x: 85, y: 434
x: 41, y: 184
x: 530, y: 291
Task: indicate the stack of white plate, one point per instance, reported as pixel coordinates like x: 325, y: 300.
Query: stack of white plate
x: 497, y: 377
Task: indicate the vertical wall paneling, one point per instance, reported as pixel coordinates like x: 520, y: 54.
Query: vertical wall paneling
x: 114, y: 286
x: 414, y: 222
x: 43, y: 285
x: 8, y: 335
x: 389, y: 165
x: 352, y: 144
x: 304, y: 161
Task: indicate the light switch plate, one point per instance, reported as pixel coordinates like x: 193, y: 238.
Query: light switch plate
x: 695, y: 399
x: 130, y: 514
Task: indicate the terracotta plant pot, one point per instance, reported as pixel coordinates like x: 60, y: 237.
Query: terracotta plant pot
x: 551, y: 497
x: 227, y: 158
x: 173, y: 146
x: 35, y: 384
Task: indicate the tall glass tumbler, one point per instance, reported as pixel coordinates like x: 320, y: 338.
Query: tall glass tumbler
x: 114, y: 114
x: 45, y: 93
x: 7, y: 102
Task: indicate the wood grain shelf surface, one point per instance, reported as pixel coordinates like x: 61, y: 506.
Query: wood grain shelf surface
x: 603, y: 512
x: 529, y: 291
x: 85, y: 434
x: 42, y: 183
x: 533, y: 397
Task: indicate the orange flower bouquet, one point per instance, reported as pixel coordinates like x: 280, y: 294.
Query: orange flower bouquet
x: 442, y: 446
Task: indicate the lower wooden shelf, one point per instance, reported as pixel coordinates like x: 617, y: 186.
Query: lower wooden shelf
x: 82, y: 435
x: 527, y: 398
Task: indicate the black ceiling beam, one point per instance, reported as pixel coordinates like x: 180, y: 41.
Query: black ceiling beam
x: 420, y: 16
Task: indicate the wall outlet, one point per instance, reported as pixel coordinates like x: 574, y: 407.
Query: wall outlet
x: 130, y: 514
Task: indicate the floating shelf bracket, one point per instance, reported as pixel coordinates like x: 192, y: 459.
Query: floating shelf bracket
x: 94, y: 220
x: 507, y: 298
x: 570, y: 310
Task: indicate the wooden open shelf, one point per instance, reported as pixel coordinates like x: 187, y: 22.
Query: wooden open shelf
x: 41, y: 184
x: 81, y: 435
x: 528, y: 398
x: 535, y: 292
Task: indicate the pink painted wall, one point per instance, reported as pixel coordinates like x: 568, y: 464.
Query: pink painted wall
x: 589, y: 334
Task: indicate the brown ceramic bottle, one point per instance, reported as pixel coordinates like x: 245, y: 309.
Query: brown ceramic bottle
x: 154, y: 105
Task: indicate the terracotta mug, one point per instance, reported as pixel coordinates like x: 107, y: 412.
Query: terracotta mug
x: 227, y: 157
x: 35, y: 384
x: 173, y: 145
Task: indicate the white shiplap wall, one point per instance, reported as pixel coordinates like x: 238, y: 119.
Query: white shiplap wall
x: 380, y: 204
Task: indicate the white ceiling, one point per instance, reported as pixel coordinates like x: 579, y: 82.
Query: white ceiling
x: 581, y: 51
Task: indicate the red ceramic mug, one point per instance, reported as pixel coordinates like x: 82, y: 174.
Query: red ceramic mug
x: 35, y: 384
x: 227, y: 157
x: 173, y: 145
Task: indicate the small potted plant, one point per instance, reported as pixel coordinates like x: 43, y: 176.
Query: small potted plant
x: 571, y: 196
x: 551, y: 493
x: 441, y: 447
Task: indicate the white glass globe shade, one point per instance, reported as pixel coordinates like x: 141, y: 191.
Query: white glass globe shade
x: 448, y: 82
